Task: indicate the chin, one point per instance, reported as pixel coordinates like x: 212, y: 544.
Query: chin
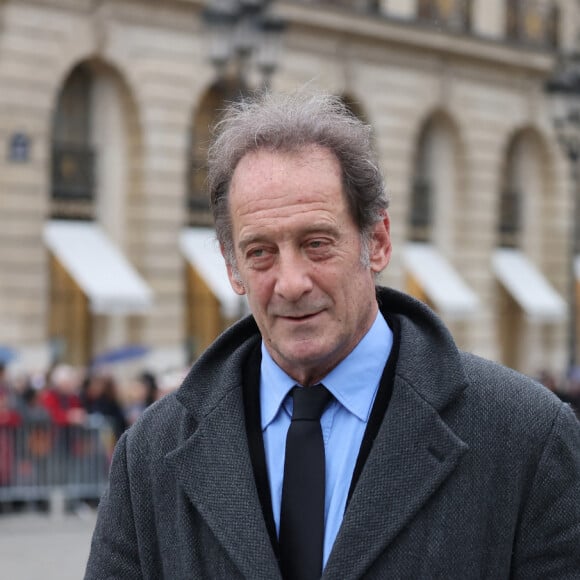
x: 306, y: 356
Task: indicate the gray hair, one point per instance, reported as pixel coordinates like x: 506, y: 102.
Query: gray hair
x: 288, y: 123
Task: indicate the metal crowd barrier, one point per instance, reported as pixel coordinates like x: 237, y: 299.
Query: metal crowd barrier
x: 43, y: 461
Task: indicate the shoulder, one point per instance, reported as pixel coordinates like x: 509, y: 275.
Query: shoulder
x: 500, y: 383
x: 158, y: 430
x: 506, y: 403
x: 213, y: 377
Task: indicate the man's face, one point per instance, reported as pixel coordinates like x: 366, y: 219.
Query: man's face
x: 298, y: 258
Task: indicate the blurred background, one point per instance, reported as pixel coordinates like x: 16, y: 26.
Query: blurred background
x: 111, y: 281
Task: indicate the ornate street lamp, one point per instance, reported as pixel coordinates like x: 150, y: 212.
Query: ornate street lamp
x: 244, y: 32
x: 564, y: 90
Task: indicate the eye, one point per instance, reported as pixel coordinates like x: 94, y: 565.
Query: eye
x: 259, y: 257
x: 318, y: 243
x: 318, y: 248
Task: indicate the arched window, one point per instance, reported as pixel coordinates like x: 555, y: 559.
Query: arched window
x: 553, y: 26
x: 434, y: 182
x: 435, y: 203
x: 525, y: 297
x: 421, y: 204
x: 73, y: 157
x: 94, y: 186
x: 208, y: 113
x: 204, y: 318
x: 510, y: 218
x: 510, y: 205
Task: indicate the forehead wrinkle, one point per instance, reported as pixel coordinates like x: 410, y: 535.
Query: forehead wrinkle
x: 295, y: 218
x: 261, y: 208
x: 295, y: 206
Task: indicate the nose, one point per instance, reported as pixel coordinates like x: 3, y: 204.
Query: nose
x: 293, y: 276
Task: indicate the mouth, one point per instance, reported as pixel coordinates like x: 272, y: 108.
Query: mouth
x: 301, y: 317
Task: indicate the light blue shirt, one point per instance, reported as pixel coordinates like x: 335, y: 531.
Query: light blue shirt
x: 354, y: 384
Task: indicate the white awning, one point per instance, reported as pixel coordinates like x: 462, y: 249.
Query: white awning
x: 201, y: 249
x: 439, y: 280
x: 111, y: 284
x: 528, y: 286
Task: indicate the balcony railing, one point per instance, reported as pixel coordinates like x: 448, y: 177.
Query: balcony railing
x: 420, y: 217
x: 447, y: 14
x: 198, y: 210
x: 533, y: 23
x: 509, y: 218
x: 73, y: 172
x: 364, y: 6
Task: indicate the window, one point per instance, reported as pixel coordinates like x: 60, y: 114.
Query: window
x: 450, y: 14
x: 73, y: 158
x: 211, y: 105
x: 533, y: 22
x: 509, y: 218
x: 421, y: 212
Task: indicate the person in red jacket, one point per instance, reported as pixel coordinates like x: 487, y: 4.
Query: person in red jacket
x: 62, y: 399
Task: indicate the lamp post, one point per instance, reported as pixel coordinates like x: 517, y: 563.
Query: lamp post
x: 564, y: 90
x: 243, y: 32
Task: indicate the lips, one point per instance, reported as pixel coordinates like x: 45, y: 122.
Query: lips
x: 298, y: 317
x: 302, y: 317
x: 298, y: 311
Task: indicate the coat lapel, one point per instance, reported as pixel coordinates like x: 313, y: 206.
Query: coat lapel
x: 213, y: 464
x: 215, y: 471
x: 413, y: 454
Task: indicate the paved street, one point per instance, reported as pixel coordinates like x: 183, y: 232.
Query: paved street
x: 38, y: 547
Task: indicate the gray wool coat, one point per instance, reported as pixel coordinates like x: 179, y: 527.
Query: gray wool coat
x: 474, y: 474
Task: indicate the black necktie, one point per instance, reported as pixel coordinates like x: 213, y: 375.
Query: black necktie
x: 302, y: 511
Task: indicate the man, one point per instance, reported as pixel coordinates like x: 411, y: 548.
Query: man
x: 438, y: 464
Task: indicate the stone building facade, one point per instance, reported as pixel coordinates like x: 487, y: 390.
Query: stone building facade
x: 104, y: 113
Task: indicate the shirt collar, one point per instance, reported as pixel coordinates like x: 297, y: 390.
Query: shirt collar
x: 353, y: 382
x: 275, y: 385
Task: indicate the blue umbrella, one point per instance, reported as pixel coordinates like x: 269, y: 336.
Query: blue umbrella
x: 120, y: 354
x: 7, y: 354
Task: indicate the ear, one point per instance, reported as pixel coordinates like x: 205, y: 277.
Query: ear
x: 380, y: 250
x: 233, y: 275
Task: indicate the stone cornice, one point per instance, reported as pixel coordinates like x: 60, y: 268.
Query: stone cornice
x: 413, y: 36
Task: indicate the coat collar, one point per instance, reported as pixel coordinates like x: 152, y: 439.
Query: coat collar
x: 429, y: 361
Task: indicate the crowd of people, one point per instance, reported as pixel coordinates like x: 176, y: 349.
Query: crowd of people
x: 67, y: 396
x: 60, y: 427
